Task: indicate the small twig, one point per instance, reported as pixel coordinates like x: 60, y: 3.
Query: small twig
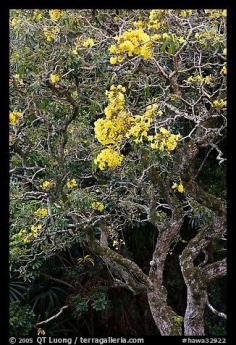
x: 216, y: 312
x: 53, y: 317
x: 57, y: 280
x: 203, y: 162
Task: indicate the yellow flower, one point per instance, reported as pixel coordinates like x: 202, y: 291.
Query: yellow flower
x: 139, y: 24
x: 17, y: 79
x: 115, y: 243
x: 216, y: 13
x: 180, y: 188
x: 181, y: 40
x: 163, y: 130
x: 130, y: 43
x: 97, y: 205
x: 21, y: 232
x: 15, y: 22
x: 35, y: 228
x: 14, y: 117
x: 156, y: 37
x: 88, y: 43
x: 224, y: 70
x: 41, y: 212
x: 199, y: 79
x: 208, y: 80
x: 164, y: 140
x: 37, y: 15
x: 112, y: 49
x: 108, y: 158
x: 41, y: 331
x: 219, y: 103
x: 54, y: 78
x: 113, y: 60
x: 175, y: 185
x: 50, y: 33
x: 71, y: 184
x: 186, y: 13
x: 55, y: 14
x: 47, y: 184
x: 165, y: 35
x: 26, y: 239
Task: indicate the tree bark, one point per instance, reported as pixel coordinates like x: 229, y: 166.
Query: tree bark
x: 167, y: 321
x: 197, y: 278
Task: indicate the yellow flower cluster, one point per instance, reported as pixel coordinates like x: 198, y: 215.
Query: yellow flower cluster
x: 41, y: 212
x: 35, y: 229
x: 199, y: 79
x: 155, y: 18
x: 164, y: 140
x: 111, y: 131
x: 97, y: 205
x: 26, y: 238
x: 138, y: 42
x: 71, y: 184
x: 117, y: 243
x: 54, y: 78
x: 55, y: 14
x: 116, y: 100
x: 15, y: 117
x: 139, y: 24
x: 186, y: 13
x: 51, y: 33
x: 18, y: 79
x: 15, y: 22
x: 224, y: 70
x: 219, y: 103
x: 82, y: 43
x: 88, y: 43
x: 216, y: 13
x: 37, y: 15
x: 47, y: 184
x: 179, y: 187
x: 173, y: 38
x: 208, y: 36
x: 119, y: 123
x: 21, y: 233
x: 130, y: 43
x: 108, y: 158
x: 113, y: 128
x: 142, y: 123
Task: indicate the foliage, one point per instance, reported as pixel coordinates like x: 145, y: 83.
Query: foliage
x: 21, y: 319
x: 117, y: 132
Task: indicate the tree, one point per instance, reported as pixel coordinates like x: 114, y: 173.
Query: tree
x: 114, y: 118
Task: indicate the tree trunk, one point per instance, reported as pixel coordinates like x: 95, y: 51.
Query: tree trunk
x: 166, y: 320
x: 194, y: 314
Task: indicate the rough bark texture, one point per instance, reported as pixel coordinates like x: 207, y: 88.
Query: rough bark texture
x: 167, y: 321
x: 197, y: 278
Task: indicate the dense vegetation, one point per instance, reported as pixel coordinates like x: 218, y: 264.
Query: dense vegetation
x: 117, y: 176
